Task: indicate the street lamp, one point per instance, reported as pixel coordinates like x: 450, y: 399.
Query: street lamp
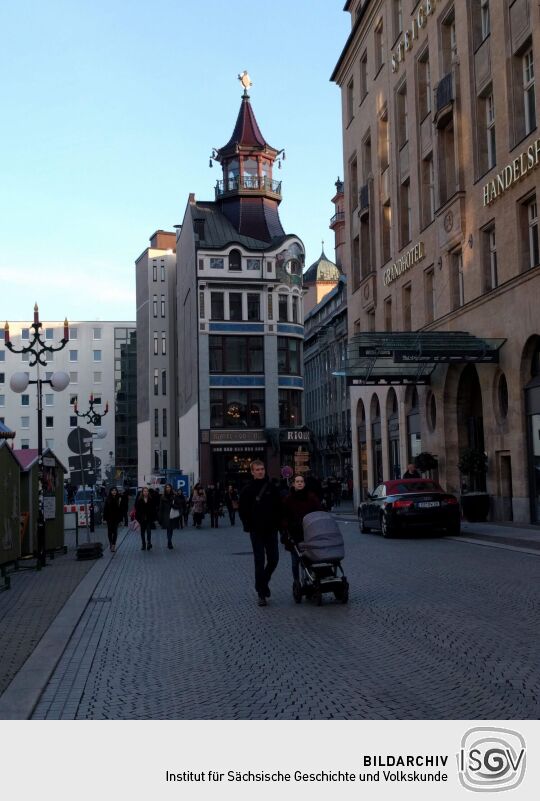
x: 37, y: 347
x: 93, y: 418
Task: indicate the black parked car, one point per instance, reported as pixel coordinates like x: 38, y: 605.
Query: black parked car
x: 411, y: 503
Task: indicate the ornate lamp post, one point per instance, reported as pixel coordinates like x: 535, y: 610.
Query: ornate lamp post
x: 37, y: 348
x: 93, y: 418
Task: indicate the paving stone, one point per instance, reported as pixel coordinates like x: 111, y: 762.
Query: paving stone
x: 434, y: 629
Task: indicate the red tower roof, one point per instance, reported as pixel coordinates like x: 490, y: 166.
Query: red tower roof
x: 246, y: 131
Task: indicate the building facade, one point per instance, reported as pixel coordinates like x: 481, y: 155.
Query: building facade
x: 95, y: 359
x: 157, y: 419
x: 240, y: 319
x: 442, y: 159
x: 327, y: 398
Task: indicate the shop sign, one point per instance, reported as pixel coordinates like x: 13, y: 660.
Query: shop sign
x: 295, y: 435
x: 238, y: 448
x: 418, y: 22
x: 518, y: 168
x: 237, y: 436
x: 408, y: 260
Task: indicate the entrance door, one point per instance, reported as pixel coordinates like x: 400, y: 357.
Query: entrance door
x: 505, y: 486
x: 535, y: 465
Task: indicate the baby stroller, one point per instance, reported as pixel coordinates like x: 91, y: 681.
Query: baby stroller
x: 320, y: 556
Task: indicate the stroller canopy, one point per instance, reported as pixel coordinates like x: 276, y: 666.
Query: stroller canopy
x: 323, y: 540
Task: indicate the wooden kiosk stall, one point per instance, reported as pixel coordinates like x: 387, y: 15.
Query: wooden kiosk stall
x: 53, y: 491
x: 10, y: 491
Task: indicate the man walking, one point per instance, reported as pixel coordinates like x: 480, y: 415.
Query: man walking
x: 412, y: 472
x: 260, y: 511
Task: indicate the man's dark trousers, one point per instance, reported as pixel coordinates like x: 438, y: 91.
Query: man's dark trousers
x: 264, y: 543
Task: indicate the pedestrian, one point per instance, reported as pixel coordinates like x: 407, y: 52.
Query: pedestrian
x: 298, y: 503
x: 124, y: 505
x: 112, y: 514
x: 231, y: 502
x: 412, y: 472
x: 328, y: 495
x: 180, y: 504
x: 214, y: 504
x: 166, y: 507
x: 198, y: 505
x: 260, y: 513
x: 145, y: 516
x: 183, y: 505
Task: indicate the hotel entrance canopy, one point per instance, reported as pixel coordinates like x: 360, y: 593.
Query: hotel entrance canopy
x: 409, y: 357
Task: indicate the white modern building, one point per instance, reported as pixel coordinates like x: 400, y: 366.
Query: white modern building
x: 157, y: 421
x: 100, y: 361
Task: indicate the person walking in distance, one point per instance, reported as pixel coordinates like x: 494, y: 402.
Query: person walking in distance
x: 260, y: 511
x: 124, y: 505
x: 145, y: 516
x: 180, y: 503
x: 198, y: 503
x: 166, y: 505
x: 112, y: 514
x: 411, y: 472
x: 231, y: 502
x: 214, y: 503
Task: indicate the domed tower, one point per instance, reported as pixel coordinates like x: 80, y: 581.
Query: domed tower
x: 319, y: 279
x: 248, y: 194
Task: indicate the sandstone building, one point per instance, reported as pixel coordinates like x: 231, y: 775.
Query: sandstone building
x: 442, y: 171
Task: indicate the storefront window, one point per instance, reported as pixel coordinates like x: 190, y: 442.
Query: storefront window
x: 290, y: 407
x: 236, y: 408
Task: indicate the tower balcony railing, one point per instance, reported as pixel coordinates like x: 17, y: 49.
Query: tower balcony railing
x: 248, y: 182
x: 339, y: 216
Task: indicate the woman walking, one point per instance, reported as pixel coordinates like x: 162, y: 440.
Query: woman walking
x: 166, y: 507
x: 198, y: 501
x: 145, y: 516
x: 231, y: 502
x: 214, y: 504
x: 124, y: 505
x: 296, y: 506
x: 112, y: 514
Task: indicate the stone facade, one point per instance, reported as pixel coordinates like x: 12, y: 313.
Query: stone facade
x: 442, y: 165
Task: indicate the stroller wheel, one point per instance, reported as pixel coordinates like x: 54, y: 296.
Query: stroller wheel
x: 297, y: 591
x: 345, y: 592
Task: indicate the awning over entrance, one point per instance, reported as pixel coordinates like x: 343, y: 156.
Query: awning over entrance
x: 409, y: 357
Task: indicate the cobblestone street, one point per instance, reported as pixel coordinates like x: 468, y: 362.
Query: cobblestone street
x: 435, y: 628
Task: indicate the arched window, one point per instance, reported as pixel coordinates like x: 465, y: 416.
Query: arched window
x: 235, y: 260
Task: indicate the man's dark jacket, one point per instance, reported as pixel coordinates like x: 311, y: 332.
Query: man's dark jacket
x: 262, y: 515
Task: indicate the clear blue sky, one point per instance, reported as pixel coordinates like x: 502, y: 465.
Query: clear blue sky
x: 109, y: 113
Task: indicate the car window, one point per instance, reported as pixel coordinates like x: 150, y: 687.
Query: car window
x: 379, y: 492
x: 416, y: 486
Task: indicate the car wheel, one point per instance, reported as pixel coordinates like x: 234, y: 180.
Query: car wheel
x: 387, y: 530
x: 454, y: 530
x: 363, y: 528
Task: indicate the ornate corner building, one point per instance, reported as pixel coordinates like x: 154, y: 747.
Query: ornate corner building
x: 239, y: 318
x: 442, y: 167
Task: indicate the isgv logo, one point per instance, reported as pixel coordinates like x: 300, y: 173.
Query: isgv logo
x: 491, y: 759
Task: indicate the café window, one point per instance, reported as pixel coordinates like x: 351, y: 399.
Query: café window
x: 283, y: 308
x: 236, y: 354
x: 289, y: 355
x: 235, y: 306
x: 217, y: 307
x: 253, y: 306
x: 237, y: 408
x: 290, y: 408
